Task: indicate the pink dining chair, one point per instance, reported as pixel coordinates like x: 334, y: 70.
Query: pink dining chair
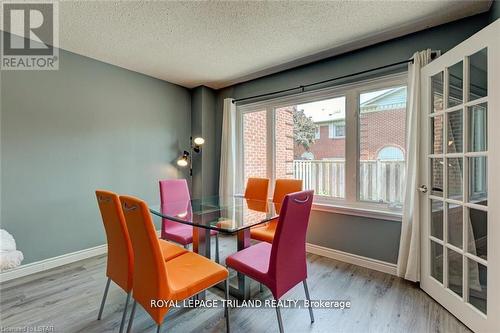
x: 280, y: 266
x: 176, y: 193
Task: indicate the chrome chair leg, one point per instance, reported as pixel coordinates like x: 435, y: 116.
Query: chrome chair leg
x: 104, y: 299
x: 158, y: 328
x: 217, y: 248
x: 124, y: 316
x: 131, y: 320
x: 309, y: 299
x: 226, y: 309
x: 280, y: 322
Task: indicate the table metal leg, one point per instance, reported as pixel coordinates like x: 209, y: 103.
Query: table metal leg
x: 243, y: 290
x: 201, y: 245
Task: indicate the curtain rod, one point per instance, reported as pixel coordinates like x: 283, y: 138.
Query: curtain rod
x: 303, y: 87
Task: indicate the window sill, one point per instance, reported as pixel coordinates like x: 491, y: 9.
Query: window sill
x: 378, y: 213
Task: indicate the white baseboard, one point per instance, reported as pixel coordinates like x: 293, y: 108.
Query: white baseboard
x: 46, y: 264
x: 354, y: 259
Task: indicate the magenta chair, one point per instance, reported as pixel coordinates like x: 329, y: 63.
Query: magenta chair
x: 281, y: 265
x: 176, y: 193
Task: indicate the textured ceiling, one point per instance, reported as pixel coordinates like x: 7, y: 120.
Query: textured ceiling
x: 221, y: 43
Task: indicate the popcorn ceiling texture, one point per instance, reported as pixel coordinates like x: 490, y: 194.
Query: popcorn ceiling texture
x: 220, y: 43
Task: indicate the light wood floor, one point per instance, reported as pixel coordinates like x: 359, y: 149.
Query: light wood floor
x: 68, y: 298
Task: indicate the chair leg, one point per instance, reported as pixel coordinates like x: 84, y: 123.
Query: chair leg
x: 158, y: 328
x: 280, y: 322
x: 124, y: 316
x: 226, y: 309
x: 103, y: 299
x: 217, y: 248
x: 309, y: 299
x: 131, y: 320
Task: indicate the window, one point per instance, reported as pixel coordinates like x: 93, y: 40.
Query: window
x: 336, y: 130
x: 359, y: 161
x: 317, y: 133
x: 382, y: 121
x: 391, y: 154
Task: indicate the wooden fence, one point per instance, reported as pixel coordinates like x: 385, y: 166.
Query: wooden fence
x: 379, y: 180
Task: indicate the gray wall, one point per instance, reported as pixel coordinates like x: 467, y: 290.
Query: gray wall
x: 495, y: 11
x: 372, y: 238
x: 66, y: 133
x: 203, y: 123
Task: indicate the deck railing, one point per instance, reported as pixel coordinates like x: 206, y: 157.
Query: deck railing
x: 379, y: 180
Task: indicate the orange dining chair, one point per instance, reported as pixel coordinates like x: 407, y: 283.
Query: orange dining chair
x: 257, y: 189
x: 154, y: 279
x: 120, y: 264
x: 282, y: 187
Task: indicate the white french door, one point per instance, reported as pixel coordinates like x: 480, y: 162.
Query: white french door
x: 460, y: 165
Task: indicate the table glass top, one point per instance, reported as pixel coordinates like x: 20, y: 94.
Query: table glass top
x: 225, y: 214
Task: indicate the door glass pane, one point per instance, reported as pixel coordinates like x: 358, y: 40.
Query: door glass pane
x: 437, y: 176
x: 478, y: 127
x: 437, y: 219
x: 455, y: 132
x: 478, y: 69
x: 455, y: 272
x: 255, y: 145
x: 382, y: 142
x: 305, y: 148
x: 478, y: 180
x: 437, y: 92
x: 478, y: 284
x: 455, y: 178
x: 437, y: 134
x: 455, y: 84
x: 478, y: 233
x: 455, y: 219
x: 437, y: 261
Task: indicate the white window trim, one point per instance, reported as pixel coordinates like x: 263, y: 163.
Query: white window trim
x: 332, y: 130
x: 317, y: 133
x: 350, y: 204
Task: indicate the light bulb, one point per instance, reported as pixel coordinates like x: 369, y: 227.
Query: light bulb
x: 199, y: 141
x: 182, y: 162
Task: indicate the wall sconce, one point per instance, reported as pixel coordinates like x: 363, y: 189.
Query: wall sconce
x: 185, y: 159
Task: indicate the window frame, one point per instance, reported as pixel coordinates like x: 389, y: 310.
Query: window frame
x: 332, y: 129
x: 351, y: 92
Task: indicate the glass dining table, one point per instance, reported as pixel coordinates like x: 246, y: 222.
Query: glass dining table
x: 227, y: 215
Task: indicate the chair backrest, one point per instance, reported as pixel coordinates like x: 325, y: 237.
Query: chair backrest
x: 287, y: 264
x: 257, y: 189
x: 283, y: 187
x: 175, y: 192
x: 150, y: 275
x: 120, y: 255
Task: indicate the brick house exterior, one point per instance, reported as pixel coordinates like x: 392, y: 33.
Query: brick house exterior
x: 382, y: 124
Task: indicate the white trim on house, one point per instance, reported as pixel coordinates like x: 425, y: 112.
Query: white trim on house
x: 377, y: 265
x: 46, y: 264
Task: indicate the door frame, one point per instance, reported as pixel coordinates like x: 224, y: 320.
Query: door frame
x: 473, y: 318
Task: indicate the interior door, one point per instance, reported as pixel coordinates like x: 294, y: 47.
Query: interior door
x: 460, y: 199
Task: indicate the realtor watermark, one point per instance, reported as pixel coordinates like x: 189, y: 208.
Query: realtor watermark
x: 19, y: 329
x: 254, y: 303
x: 30, y: 38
